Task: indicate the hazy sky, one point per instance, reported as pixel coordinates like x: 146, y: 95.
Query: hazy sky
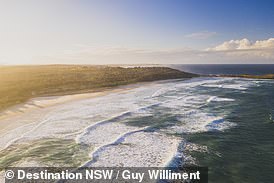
x: 136, y: 31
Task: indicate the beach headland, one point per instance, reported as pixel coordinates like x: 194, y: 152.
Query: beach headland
x: 30, y: 88
x: 22, y: 120
x: 248, y: 76
x: 18, y: 84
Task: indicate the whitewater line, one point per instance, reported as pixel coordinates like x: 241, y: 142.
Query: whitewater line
x: 96, y: 153
x: 24, y: 134
x: 112, y: 119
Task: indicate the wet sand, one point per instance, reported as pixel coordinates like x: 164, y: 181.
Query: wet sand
x: 15, y: 116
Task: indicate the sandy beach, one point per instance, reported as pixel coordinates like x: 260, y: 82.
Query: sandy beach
x: 132, y: 125
x: 140, y: 125
x: 13, y: 117
x: 85, y: 119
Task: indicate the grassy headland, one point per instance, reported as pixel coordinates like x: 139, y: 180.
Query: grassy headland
x: 20, y: 83
x: 266, y: 76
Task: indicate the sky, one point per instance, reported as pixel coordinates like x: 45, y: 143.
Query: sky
x: 136, y: 31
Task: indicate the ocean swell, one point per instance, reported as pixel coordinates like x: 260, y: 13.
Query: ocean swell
x: 138, y: 127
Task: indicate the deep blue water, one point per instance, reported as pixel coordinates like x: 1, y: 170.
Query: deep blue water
x: 244, y: 153
x: 254, y: 69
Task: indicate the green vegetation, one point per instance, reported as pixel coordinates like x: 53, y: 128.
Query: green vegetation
x: 49, y: 152
x: 267, y: 76
x: 20, y: 83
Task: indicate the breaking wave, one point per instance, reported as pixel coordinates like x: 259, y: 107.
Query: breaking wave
x: 103, y: 123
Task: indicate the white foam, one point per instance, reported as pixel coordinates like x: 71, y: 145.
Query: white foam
x: 196, y: 122
x: 236, y: 84
x: 139, y: 149
x: 219, y: 99
x: 161, y: 92
x: 98, y: 122
x: 195, y: 147
x: 96, y: 135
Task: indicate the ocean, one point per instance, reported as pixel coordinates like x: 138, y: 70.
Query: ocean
x: 253, y: 69
x: 225, y: 124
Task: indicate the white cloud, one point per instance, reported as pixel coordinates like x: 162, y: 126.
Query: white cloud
x: 201, y: 35
x: 234, y: 52
x: 246, y: 50
x: 244, y: 44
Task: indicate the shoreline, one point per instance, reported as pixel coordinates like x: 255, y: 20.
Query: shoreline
x: 34, y: 105
x: 247, y: 76
x: 58, y: 99
x: 115, y: 135
x: 48, y: 104
x: 54, y: 80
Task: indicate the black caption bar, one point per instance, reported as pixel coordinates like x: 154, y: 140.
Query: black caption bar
x: 105, y: 175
